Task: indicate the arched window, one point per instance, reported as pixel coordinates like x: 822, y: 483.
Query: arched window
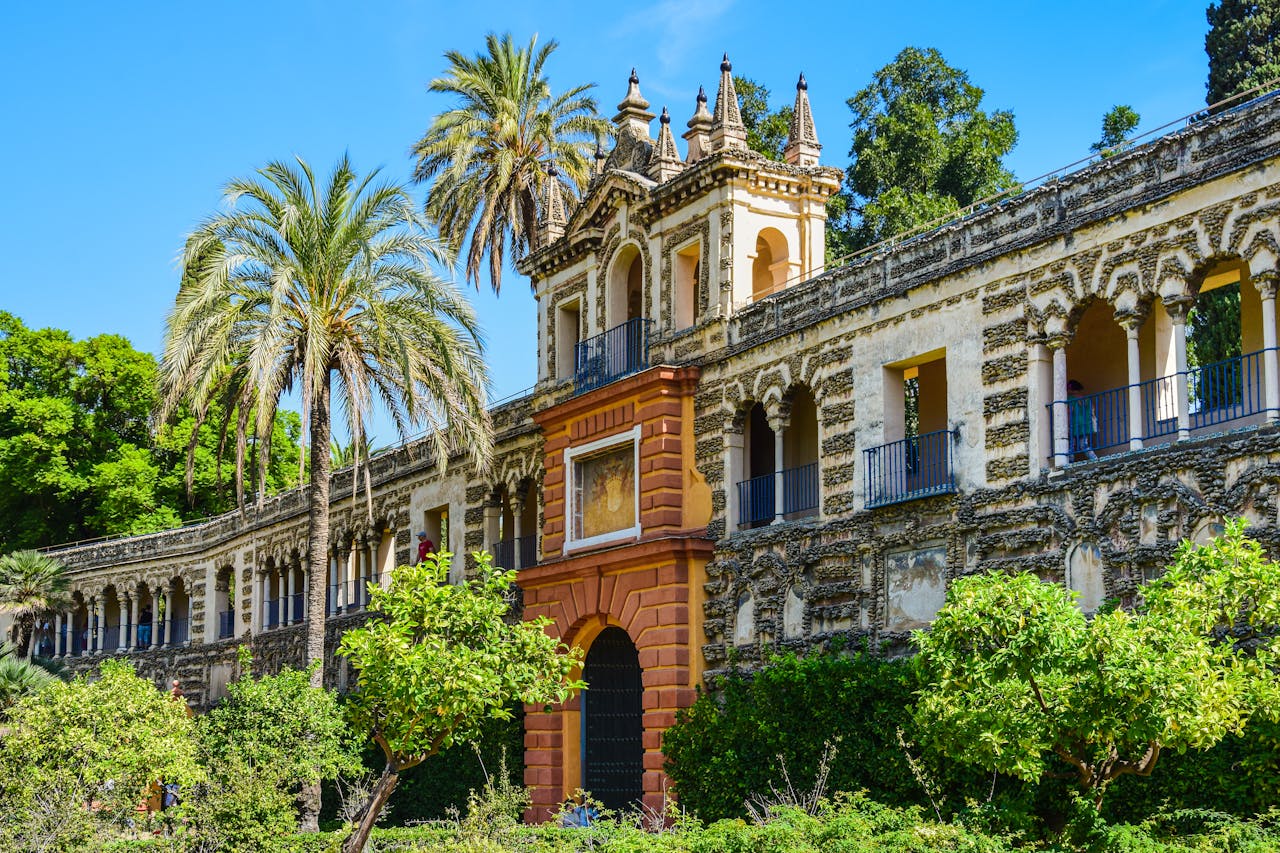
x: 626, y: 286
x: 770, y: 263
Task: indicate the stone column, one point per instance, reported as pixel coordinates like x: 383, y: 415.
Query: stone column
x: 1061, y: 436
x: 493, y: 522
x: 1131, y: 325
x: 306, y: 593
x: 134, y: 615
x: 779, y: 427
x: 261, y: 595
x: 57, y: 635
x: 371, y: 560
x: 291, y: 590
x: 1266, y: 282
x: 344, y: 571
x: 168, y: 614
x: 155, y: 616
x: 517, y: 525
x: 331, y: 592
x: 100, y: 627
x: 732, y: 476
x: 1178, y: 314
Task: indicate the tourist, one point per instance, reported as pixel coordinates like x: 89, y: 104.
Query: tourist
x: 144, y: 628
x: 425, y: 546
x: 1083, y: 420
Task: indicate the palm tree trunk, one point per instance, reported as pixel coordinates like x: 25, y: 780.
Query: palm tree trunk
x: 318, y: 570
x: 369, y: 814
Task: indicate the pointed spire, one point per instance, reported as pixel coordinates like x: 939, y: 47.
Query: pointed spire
x: 727, y: 129
x: 699, y: 133
x: 633, y: 113
x: 600, y: 156
x: 802, y: 139
x: 665, y: 162
x: 552, y: 220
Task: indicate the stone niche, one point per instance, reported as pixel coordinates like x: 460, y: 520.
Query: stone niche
x: 1085, y: 575
x: 915, y: 586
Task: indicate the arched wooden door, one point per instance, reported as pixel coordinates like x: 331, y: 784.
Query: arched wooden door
x: 612, y: 721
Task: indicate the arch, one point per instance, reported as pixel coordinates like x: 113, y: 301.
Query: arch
x: 770, y: 263
x: 757, y: 465
x: 800, y: 479
x: 110, y: 634
x: 177, y: 614
x: 626, y: 285
x: 224, y: 597
x: 142, y: 635
x: 613, y: 720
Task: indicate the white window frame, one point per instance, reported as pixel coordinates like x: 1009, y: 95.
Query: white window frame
x: 571, y: 489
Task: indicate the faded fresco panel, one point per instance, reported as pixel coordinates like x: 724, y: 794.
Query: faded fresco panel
x: 606, y: 487
x: 916, y: 586
x: 1084, y: 575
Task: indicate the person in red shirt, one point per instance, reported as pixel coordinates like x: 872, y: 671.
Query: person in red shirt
x: 425, y: 546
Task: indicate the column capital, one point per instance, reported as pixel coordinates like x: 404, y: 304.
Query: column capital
x: 1267, y: 282
x: 1131, y: 321
x: 1057, y: 340
x: 778, y: 423
x: 1178, y: 307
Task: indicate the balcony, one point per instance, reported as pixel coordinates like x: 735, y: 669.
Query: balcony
x: 910, y: 468
x: 612, y: 355
x: 506, y: 552
x: 1103, y: 423
x: 757, y: 497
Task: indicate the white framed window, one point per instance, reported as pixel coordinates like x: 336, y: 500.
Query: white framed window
x: 603, y: 490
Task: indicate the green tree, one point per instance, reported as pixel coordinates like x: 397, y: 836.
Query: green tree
x: 443, y: 658
x: 19, y: 678
x: 1017, y: 678
x: 103, y: 741
x: 1243, y: 46
x: 767, y: 129
x: 329, y: 290
x: 1117, y: 124
x: 485, y: 157
x: 31, y: 585
x: 923, y: 147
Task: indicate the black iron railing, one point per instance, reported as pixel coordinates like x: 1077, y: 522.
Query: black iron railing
x: 226, y: 624
x: 181, y: 632
x: 273, y: 613
x: 800, y: 489
x: 295, y: 614
x: 756, y: 503
x: 528, y: 549
x: 609, y: 356
x: 909, y: 468
x: 1217, y: 393
x: 504, y: 554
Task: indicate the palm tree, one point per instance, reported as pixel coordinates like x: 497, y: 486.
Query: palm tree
x: 330, y: 290
x: 489, y: 153
x: 19, y: 678
x: 31, y: 585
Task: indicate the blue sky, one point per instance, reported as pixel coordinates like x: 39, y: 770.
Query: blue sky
x: 124, y: 120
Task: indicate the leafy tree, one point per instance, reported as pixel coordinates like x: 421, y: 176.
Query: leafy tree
x: 443, y: 658
x: 486, y: 156
x: 1117, y: 124
x: 103, y: 741
x: 328, y: 289
x: 923, y: 147
x: 31, y: 585
x: 1243, y: 46
x: 767, y: 129
x: 19, y: 678
x: 77, y: 458
x: 1017, y: 678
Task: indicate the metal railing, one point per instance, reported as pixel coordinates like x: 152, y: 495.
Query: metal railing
x: 800, y: 489
x: 226, y: 624
x: 504, y: 554
x: 609, y: 356
x: 1099, y: 423
x: 180, y: 630
x: 756, y: 503
x: 273, y: 613
x: 527, y: 547
x: 296, y: 608
x: 910, y: 468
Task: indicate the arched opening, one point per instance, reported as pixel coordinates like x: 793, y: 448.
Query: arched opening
x: 756, y: 504
x: 1225, y: 347
x: 177, y: 615
x: 613, y: 721
x: 1097, y: 409
x: 75, y: 630
x: 800, y: 457
x: 144, y: 633
x: 111, y: 622
x: 224, y: 602
x: 769, y: 265
x: 626, y: 286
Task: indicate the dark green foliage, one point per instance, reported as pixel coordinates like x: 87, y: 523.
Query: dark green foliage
x: 923, y: 147
x: 727, y: 746
x: 767, y: 129
x: 1214, y: 333
x: 1242, y: 45
x: 77, y: 455
x: 1117, y: 124
x: 442, y: 782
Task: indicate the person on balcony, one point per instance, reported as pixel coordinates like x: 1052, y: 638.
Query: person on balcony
x: 1082, y: 419
x: 424, y: 546
x: 144, y: 628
